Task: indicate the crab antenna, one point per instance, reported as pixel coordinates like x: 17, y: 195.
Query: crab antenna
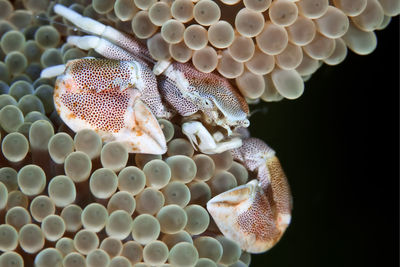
x: 263, y: 110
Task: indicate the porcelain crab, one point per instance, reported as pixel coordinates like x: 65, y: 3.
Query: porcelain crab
x: 122, y: 96
x: 127, y: 74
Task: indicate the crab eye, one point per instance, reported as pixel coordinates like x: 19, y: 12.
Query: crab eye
x: 207, y: 103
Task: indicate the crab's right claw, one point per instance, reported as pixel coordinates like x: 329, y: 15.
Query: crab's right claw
x: 250, y: 216
x: 244, y: 215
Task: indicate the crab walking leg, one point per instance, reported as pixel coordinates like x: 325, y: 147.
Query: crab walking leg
x: 92, y: 26
x: 256, y: 214
x: 101, y: 46
x: 138, y: 50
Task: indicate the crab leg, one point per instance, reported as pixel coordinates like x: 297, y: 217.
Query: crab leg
x: 94, y: 27
x: 113, y: 44
x: 256, y: 214
x: 101, y: 46
x: 138, y: 50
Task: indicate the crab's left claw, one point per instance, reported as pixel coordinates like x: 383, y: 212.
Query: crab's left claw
x: 115, y: 113
x: 257, y: 214
x: 136, y: 126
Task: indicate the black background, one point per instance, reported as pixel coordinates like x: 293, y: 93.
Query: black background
x: 339, y: 146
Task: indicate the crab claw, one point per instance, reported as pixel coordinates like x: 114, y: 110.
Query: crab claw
x: 248, y: 215
x: 244, y: 215
x: 257, y: 214
x: 115, y: 113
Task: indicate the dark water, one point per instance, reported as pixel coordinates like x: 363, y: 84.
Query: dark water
x: 339, y: 146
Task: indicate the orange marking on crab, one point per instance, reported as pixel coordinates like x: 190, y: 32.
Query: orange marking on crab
x: 72, y: 116
x: 139, y: 133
